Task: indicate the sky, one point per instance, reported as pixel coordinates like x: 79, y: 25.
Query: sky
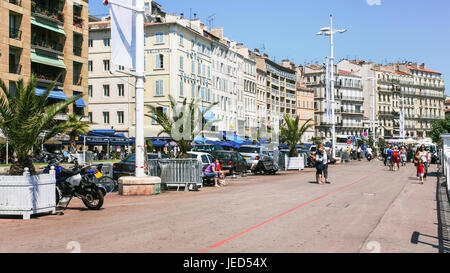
x: 381, y: 31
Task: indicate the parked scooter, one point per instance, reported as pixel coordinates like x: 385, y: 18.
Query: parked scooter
x: 369, y: 157
x: 71, y: 183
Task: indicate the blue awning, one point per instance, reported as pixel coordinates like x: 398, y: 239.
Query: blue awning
x: 80, y: 103
x: 54, y: 94
x: 103, y: 131
x: 159, y: 143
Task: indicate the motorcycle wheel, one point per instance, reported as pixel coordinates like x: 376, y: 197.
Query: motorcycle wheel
x: 94, y: 199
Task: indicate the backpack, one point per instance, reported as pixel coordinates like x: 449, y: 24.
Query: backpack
x: 395, y: 154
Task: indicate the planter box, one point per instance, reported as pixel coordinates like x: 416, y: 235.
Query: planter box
x: 294, y: 163
x: 26, y: 195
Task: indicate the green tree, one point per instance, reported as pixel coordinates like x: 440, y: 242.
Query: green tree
x: 292, y: 132
x: 438, y: 127
x: 26, y: 119
x: 76, y: 127
x: 182, y: 124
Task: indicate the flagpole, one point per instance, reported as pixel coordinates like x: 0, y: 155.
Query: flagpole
x: 140, y: 141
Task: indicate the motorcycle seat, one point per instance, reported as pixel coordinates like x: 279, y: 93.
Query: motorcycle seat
x: 68, y: 173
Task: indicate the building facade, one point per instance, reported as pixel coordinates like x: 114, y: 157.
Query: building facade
x: 177, y: 63
x: 49, y: 39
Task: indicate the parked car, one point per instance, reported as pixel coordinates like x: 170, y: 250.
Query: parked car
x: 252, y: 153
x: 205, y: 158
x: 231, y: 161
x: 127, y: 167
x: 207, y: 148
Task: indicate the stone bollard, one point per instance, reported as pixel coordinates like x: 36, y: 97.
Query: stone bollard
x: 132, y: 186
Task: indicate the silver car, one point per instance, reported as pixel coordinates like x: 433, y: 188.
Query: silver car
x: 252, y: 153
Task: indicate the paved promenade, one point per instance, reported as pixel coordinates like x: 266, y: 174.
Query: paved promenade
x: 366, y: 209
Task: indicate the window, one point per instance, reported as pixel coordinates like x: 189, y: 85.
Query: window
x: 90, y: 66
x: 193, y: 67
x: 90, y: 117
x: 120, y: 117
x: 159, y: 85
x: 159, y: 38
x: 106, y: 42
x: 91, y: 43
x: 159, y: 61
x: 106, y: 90
x: 199, y: 68
x: 106, y: 65
x: 90, y: 91
x: 121, y: 90
x: 121, y: 67
x: 181, y: 88
x: 193, y: 90
x: 203, y: 70
x: 209, y: 72
x: 181, y: 63
x: 181, y: 39
x: 106, y: 117
x: 159, y: 109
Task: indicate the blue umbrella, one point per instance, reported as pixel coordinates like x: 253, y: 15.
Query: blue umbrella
x: 283, y: 145
x: 159, y: 143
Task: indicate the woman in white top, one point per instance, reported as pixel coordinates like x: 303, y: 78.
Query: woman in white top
x: 425, y: 156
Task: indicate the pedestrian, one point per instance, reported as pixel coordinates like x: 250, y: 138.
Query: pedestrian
x: 403, y: 156
x: 319, y: 166
x: 396, y: 158
x: 359, y: 151
x: 212, y: 172
x: 389, y: 158
x: 421, y: 170
x: 425, y: 157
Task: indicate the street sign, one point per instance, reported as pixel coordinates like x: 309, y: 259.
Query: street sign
x: 365, y: 133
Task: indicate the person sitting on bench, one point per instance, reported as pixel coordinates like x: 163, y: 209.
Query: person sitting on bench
x: 212, y: 172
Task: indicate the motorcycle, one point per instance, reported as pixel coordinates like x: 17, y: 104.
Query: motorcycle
x: 76, y: 183
x: 369, y: 157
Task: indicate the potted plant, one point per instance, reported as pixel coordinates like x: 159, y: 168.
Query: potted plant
x: 27, y: 120
x: 291, y: 133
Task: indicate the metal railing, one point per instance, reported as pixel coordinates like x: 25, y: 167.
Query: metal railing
x: 177, y: 172
x: 45, y: 44
x: 15, y: 33
x: 445, y: 160
x: 350, y: 98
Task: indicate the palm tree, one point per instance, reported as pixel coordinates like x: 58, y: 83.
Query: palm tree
x: 292, y: 132
x: 183, y: 125
x: 24, y: 116
x: 76, y: 127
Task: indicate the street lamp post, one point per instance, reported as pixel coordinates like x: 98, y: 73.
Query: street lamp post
x: 329, y: 31
x: 372, y: 107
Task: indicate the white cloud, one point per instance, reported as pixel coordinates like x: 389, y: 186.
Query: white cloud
x: 374, y: 2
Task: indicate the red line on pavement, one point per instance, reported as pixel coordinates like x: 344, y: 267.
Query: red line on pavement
x: 287, y: 212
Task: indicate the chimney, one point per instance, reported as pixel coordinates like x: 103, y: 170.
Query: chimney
x: 257, y: 51
x: 266, y: 56
x: 286, y: 63
x: 195, y: 16
x: 422, y: 66
x: 217, y: 32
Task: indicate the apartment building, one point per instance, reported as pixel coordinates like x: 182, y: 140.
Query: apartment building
x: 248, y: 76
x: 408, y: 88
x: 178, y: 54
x: 348, y: 97
x: 225, y: 82
x: 47, y: 38
x: 305, y: 104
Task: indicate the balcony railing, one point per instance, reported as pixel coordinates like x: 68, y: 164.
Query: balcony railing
x: 47, y: 45
x: 77, y: 80
x: 275, y: 81
x: 386, y: 113
x: 290, y: 86
x: 15, y: 68
x: 48, y: 78
x: 15, y: 33
x: 16, y: 2
x: 52, y: 14
x: 77, y: 50
x: 351, y: 111
x: 290, y: 96
x: 350, y: 98
x: 78, y: 21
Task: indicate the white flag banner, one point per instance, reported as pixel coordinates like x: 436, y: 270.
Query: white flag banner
x: 123, y: 33
x: 328, y: 91
x: 402, y: 124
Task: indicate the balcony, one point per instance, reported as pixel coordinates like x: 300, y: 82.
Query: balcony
x: 352, y: 111
x: 385, y: 113
x: 15, y: 68
x: 48, y: 10
x: 16, y: 2
x: 349, y: 98
x: 275, y: 81
x: 47, y: 45
x: 78, y: 21
x: 15, y: 33
x: 48, y: 79
x: 351, y: 124
x: 290, y: 86
x: 290, y: 96
x: 77, y: 50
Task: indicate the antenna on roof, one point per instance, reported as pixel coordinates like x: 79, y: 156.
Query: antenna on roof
x: 211, y: 19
